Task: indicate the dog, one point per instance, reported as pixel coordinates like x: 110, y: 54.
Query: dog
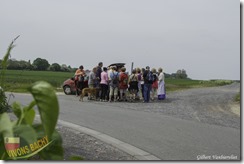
x: 91, y: 91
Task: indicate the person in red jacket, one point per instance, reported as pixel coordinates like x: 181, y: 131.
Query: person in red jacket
x: 123, y: 84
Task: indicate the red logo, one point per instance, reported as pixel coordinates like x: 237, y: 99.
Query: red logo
x: 12, y: 143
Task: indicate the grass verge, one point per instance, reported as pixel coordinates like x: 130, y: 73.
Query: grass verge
x: 19, y: 81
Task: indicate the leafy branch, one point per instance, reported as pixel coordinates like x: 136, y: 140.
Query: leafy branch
x: 24, y: 127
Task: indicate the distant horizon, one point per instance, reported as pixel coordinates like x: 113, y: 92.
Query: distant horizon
x: 127, y: 70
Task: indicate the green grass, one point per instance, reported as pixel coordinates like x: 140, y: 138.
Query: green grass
x: 19, y: 81
x: 237, y: 98
x: 180, y: 84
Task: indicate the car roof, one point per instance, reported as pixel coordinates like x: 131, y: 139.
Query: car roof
x: 118, y: 65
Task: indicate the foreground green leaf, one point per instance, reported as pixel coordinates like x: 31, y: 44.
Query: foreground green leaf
x: 34, y: 153
x: 27, y: 136
x: 55, y: 150
x: 6, y: 127
x: 5, y: 62
x: 47, y: 103
x: 3, y: 154
x: 6, y: 130
x: 17, y: 110
x: 29, y: 116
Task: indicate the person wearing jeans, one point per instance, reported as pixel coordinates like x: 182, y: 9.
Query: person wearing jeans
x: 147, y: 85
x: 147, y: 89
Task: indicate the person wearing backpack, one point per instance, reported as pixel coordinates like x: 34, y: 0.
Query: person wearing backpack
x: 114, y: 84
x: 148, y: 81
x: 133, y: 82
x: 123, y: 84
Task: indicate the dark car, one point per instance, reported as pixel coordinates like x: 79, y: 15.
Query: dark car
x: 69, y: 86
x: 118, y: 65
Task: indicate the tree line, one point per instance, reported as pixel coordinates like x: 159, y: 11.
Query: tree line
x: 40, y: 64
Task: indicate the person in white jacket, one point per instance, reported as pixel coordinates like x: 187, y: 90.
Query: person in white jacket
x: 161, y: 85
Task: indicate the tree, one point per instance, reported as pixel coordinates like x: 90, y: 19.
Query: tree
x: 55, y: 67
x: 25, y: 65
x: 166, y: 75
x: 64, y: 68
x: 18, y: 65
x: 181, y: 74
x: 13, y: 64
x: 40, y: 64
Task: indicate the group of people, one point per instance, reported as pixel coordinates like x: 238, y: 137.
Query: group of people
x: 116, y: 84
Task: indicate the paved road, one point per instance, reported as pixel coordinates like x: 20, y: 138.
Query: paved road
x: 163, y: 134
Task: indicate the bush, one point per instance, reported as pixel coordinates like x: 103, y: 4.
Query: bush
x: 216, y: 82
x: 222, y: 82
x: 237, y: 98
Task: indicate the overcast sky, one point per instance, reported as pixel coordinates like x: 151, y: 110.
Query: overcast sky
x: 200, y: 36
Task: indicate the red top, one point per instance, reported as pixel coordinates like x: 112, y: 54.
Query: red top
x: 123, y: 81
x: 155, y: 84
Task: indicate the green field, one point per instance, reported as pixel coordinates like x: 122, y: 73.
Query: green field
x: 180, y: 84
x: 19, y: 81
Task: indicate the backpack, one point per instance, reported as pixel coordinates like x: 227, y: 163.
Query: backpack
x: 139, y: 77
x: 115, y: 79
x: 133, y: 78
x: 124, y: 78
x: 81, y: 78
x: 123, y: 81
x: 155, y: 77
x: 150, y: 77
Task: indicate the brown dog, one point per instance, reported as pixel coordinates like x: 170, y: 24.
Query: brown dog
x: 91, y: 91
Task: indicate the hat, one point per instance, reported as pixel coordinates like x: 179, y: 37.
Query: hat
x: 147, y: 67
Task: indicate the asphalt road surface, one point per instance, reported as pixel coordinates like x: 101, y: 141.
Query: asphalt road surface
x: 188, y: 125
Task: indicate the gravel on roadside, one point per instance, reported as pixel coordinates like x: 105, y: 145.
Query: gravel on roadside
x: 79, y: 144
x: 211, y: 105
